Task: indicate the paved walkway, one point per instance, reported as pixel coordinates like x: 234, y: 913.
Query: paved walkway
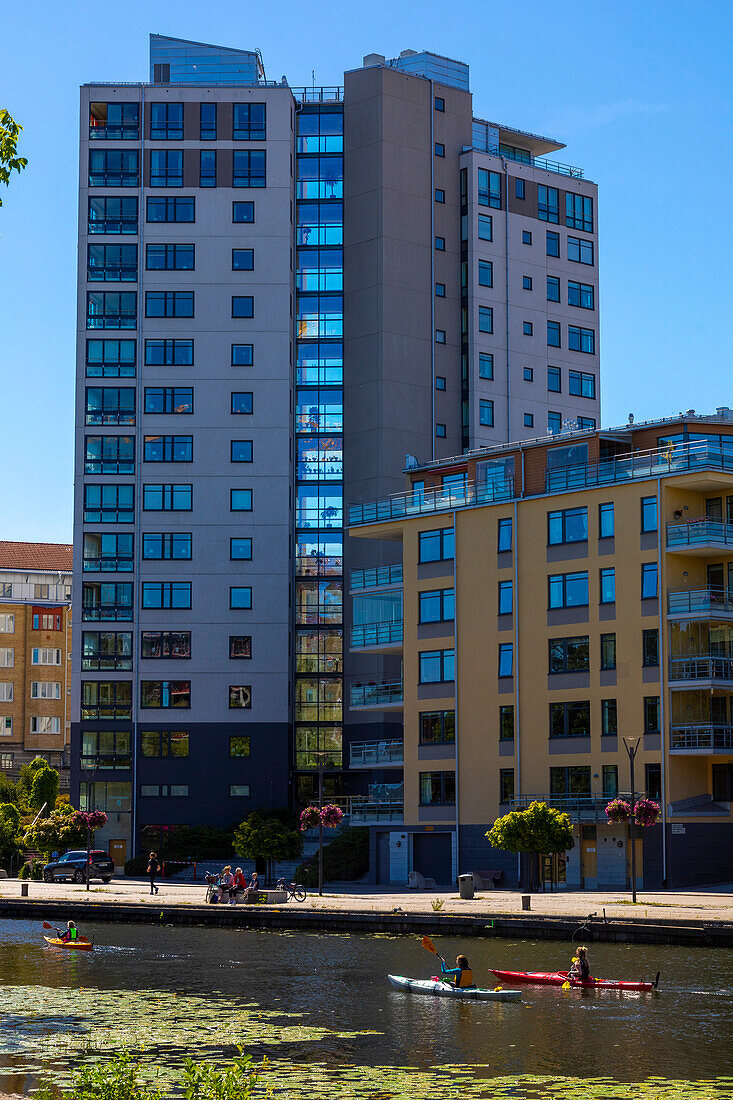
x: 714, y: 904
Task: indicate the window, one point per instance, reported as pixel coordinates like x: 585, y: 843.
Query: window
x: 526, y: 282
x: 166, y: 594
x: 440, y: 431
x: 243, y: 355
x: 110, y: 405
x: 439, y: 195
x: 240, y: 500
x: 439, y: 336
x: 240, y: 549
x: 250, y: 122
x: 113, y: 552
x: 649, y: 580
x: 240, y: 598
x: 243, y: 306
x: 111, y: 359
x: 653, y: 780
x: 6, y: 692
x: 439, y: 149
x: 171, y: 645
x: 45, y: 725
x: 436, y: 666
x: 648, y: 514
x: 569, y: 525
x: 243, y: 212
x: 568, y: 590
x: 438, y: 727
x: 582, y: 339
x: 166, y: 498
x: 240, y: 697
x: 240, y: 647
x: 527, y: 328
x: 519, y: 188
x: 506, y: 785
x: 109, y: 454
x: 168, y: 448
x: 440, y: 244
x: 552, y: 243
x: 436, y: 545
x: 568, y: 655
x: 650, y: 648
x: 489, y: 188
x: 249, y: 168
x: 608, y: 651
x: 111, y: 309
x: 586, y: 423
x: 579, y: 212
x: 154, y: 790
x: 529, y: 420
x: 485, y: 227
x: 207, y: 167
x: 7, y: 658
x: 207, y: 121
x: 581, y: 295
x: 610, y: 780
x: 436, y: 606
x: 548, y: 204
x: 553, y: 380
x: 166, y: 121
x: 526, y: 237
x: 651, y: 714
x: 171, y: 209
x: 164, y: 743
x: 485, y: 273
x: 114, y: 121
x: 106, y: 699
x: 606, y: 521
x: 485, y: 365
x: 174, y: 400
x: 506, y: 659
x: 553, y: 334
x: 164, y: 694
x: 437, y: 788
x: 167, y: 546
x: 243, y: 259
x: 166, y: 168
x: 109, y: 503
x: 506, y: 723
x: 439, y: 103
x: 581, y: 385
x: 7, y: 621
x: 115, y: 263
x: 504, y: 535
x: 570, y: 719
x: 239, y: 745
x: 242, y: 403
x: 553, y: 289
x: 440, y: 290
x: 169, y: 257
x: 486, y: 413
x: 580, y: 251
x: 241, y: 450
x: 169, y: 303
x: 440, y: 382
x: 574, y: 780
x: 114, y: 168
x: 169, y: 353
x: 101, y: 649
x: 607, y: 580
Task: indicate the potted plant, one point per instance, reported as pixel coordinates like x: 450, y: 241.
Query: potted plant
x: 618, y: 812
x: 647, y: 812
x: 310, y: 818
x: 331, y: 816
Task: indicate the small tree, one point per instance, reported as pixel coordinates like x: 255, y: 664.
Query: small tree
x: 9, y: 159
x: 9, y: 826
x: 56, y: 832
x: 539, y: 830
x: 268, y: 839
x: 8, y: 790
x: 38, y: 783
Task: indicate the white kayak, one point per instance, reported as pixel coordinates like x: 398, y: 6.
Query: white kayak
x: 447, y: 989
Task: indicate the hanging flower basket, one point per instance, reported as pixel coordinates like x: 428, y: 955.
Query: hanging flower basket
x: 92, y: 819
x: 331, y: 816
x: 310, y: 818
x: 647, y: 812
x: 618, y: 812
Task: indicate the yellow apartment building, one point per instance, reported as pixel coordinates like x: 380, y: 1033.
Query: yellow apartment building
x: 35, y: 654
x: 549, y: 599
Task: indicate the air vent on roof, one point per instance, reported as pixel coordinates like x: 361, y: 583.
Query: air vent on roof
x: 724, y: 413
x: 372, y: 59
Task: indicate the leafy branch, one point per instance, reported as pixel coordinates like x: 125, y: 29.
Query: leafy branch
x: 9, y: 159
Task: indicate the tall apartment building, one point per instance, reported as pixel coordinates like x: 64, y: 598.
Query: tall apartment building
x: 587, y: 600
x: 35, y: 655
x: 283, y: 292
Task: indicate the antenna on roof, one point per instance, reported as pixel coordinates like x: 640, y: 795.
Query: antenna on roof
x: 631, y: 418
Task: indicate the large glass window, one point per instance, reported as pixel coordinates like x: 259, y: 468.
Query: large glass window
x: 106, y: 600
x: 570, y: 719
x: 167, y: 498
x: 109, y: 503
x: 568, y: 590
x: 171, y: 209
x: 581, y: 384
x: 111, y: 358
x: 112, y: 214
x: 109, y: 454
x: 168, y: 448
x: 107, y: 552
x: 436, y: 545
x: 207, y: 167
x: 436, y: 665
x: 110, y: 405
x: 249, y: 168
x: 176, y: 400
x: 207, y: 121
x: 114, y: 168
x: 319, y: 410
x: 166, y: 121
x: 579, y: 212
x: 438, y: 727
x: 166, y: 594
x: 489, y: 188
x: 167, y: 545
x: 581, y: 295
x: 169, y: 257
x: 169, y: 303
x: 106, y: 650
x: 548, y: 204
x: 106, y: 699
x: 569, y: 654
x: 319, y: 651
x: 580, y: 251
x: 250, y: 122
x: 437, y: 788
x: 320, y: 178
x: 649, y: 580
x: 166, y: 168
x: 169, y: 353
x: 165, y: 645
x: 570, y: 781
x: 164, y: 743
x: 582, y: 339
x: 320, y: 458
x: 437, y: 605
x: 165, y: 693
x: 111, y: 309
x: 568, y: 525
x: 114, y: 121
x: 648, y: 514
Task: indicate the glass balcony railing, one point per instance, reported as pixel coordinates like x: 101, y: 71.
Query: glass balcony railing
x: 580, y: 807
x: 376, y: 577
x: 375, y: 634
x: 376, y: 754
x: 424, y: 501
x: 706, y: 601
x: 386, y: 693
x: 372, y: 812
x: 713, y: 738
x: 673, y: 459
x: 701, y: 667
x: 699, y: 532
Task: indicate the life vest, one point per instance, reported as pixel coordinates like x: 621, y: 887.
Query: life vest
x: 465, y: 980
x: 72, y: 932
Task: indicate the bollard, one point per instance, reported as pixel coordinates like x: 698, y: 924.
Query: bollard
x: 24, y: 889
x: 526, y: 902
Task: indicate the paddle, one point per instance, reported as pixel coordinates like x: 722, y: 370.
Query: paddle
x: 51, y: 928
x: 430, y: 946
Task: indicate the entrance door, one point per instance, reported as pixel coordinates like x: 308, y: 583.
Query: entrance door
x: 118, y: 852
x: 432, y: 856
x: 589, y: 857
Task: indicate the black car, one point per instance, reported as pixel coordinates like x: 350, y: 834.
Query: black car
x: 72, y: 865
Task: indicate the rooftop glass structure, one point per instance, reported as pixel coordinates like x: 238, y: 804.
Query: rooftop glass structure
x: 433, y: 67
x: 177, y: 61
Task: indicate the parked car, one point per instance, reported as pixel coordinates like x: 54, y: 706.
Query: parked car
x: 72, y: 865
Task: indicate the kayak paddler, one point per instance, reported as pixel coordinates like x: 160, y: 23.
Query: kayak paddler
x: 70, y: 933
x: 580, y: 970
x: 462, y: 975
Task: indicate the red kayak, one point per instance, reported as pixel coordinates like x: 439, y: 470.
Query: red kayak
x: 559, y: 977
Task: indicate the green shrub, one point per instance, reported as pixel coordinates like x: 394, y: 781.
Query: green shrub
x: 345, y: 859
x: 32, y: 869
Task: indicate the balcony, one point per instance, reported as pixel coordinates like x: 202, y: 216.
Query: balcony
x: 701, y: 667
x: 426, y: 501
x: 368, y: 811
x: 385, y: 695
x: 380, y: 576
x: 640, y: 465
x: 377, y: 754
x: 377, y: 636
x: 585, y: 808
x: 698, y: 537
x: 701, y: 740
x: 700, y: 601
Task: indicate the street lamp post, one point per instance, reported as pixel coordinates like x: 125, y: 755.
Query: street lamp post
x: 632, y: 747
x: 321, y: 767
x: 89, y: 770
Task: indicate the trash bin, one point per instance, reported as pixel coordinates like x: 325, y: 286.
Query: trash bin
x: 465, y: 886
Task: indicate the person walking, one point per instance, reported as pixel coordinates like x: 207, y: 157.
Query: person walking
x: 153, y: 871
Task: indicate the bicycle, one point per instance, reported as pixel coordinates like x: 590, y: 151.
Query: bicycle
x: 212, y: 887
x: 293, y: 889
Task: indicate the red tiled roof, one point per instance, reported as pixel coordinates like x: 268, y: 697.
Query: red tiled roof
x: 38, y: 557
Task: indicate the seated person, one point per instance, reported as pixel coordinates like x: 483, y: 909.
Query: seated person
x: 462, y: 976
x: 580, y: 970
x: 239, y: 885
x: 254, y: 883
x: 70, y: 933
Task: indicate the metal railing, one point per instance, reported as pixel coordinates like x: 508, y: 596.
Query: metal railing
x: 373, y: 634
x: 368, y: 812
x: 697, y: 532
x: 588, y: 807
x: 384, y: 693
x: 316, y: 94
x: 712, y: 601
x: 376, y: 754
x: 526, y: 158
x: 703, y: 737
x: 673, y: 459
x: 376, y: 577
x: 705, y: 666
x: 424, y: 501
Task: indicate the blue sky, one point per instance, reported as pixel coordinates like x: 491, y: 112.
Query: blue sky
x: 640, y: 93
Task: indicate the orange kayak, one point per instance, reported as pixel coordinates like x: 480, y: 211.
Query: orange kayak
x: 78, y: 945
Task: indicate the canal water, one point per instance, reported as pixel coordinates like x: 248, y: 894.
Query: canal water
x: 320, y: 1008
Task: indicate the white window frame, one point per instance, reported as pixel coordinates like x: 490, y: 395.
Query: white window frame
x: 6, y: 725
x: 37, y: 721
x: 39, y: 656
x: 7, y: 657
x: 45, y: 689
x: 6, y: 691
x: 7, y: 623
